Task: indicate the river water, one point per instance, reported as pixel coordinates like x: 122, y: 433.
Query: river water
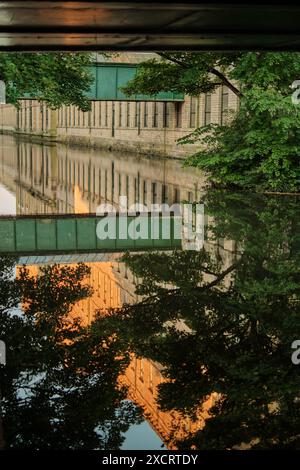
x: 151, y: 349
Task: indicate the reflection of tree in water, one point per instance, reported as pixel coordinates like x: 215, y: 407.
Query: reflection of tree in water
x: 229, y: 330
x: 59, y: 387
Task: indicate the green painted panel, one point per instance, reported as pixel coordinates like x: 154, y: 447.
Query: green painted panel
x: 125, y: 74
x: 66, y: 234
x: 7, y: 235
x: 106, y: 83
x: 93, y: 89
x: 86, y: 234
x: 107, y: 243
x: 25, y: 235
x: 46, y: 234
x: 109, y: 78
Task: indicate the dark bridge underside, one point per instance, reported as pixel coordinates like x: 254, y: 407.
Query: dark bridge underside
x: 146, y: 25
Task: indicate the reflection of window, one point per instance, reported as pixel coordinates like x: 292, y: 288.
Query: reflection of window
x: 136, y: 190
x: 154, y: 193
x: 176, y: 196
x: 142, y: 370
x: 151, y: 377
x: 145, y: 193
x: 224, y: 104
x: 164, y: 194
x: 120, y: 184
x: 207, y: 109
x: 127, y: 187
x: 105, y: 183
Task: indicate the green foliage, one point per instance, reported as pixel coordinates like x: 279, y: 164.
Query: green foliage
x: 55, y: 78
x: 226, y: 329
x: 258, y: 148
x: 59, y: 388
x: 181, y: 72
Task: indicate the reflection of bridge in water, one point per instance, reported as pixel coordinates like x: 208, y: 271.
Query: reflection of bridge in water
x: 50, y: 234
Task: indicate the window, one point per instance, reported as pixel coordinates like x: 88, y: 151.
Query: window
x: 136, y: 117
x: 178, y: 114
x: 145, y: 114
x: 164, y: 195
x: 166, y: 114
x: 47, y: 119
x: 207, y: 109
x: 128, y: 114
x: 100, y: 121
x: 106, y: 114
x: 120, y: 113
x: 224, y: 104
x: 193, y: 106
x: 30, y: 115
x: 94, y: 113
x: 155, y: 115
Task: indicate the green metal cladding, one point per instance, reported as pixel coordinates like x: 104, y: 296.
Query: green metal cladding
x: 109, y: 78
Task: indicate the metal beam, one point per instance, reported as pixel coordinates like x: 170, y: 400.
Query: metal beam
x: 141, y: 25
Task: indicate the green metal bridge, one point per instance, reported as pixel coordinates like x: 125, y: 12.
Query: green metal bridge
x: 73, y: 233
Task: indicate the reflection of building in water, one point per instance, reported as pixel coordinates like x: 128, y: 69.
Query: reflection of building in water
x: 113, y: 285
x: 54, y: 179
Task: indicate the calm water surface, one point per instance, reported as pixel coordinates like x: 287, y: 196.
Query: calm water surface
x: 173, y: 349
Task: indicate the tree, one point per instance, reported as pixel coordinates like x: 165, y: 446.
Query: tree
x: 59, y: 387
x: 55, y: 78
x: 258, y: 148
x: 237, y: 336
